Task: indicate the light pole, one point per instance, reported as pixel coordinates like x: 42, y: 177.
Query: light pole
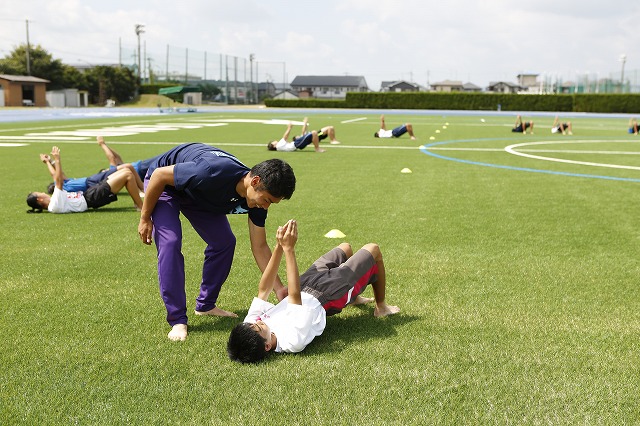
x: 251, y: 58
x: 139, y: 30
x: 623, y: 59
x: 28, y: 49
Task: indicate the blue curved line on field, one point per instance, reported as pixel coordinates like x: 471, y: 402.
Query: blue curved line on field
x: 425, y: 150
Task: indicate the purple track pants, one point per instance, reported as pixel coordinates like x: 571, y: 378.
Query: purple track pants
x: 214, y: 229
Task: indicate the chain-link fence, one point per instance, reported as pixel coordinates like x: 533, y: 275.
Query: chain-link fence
x: 238, y: 80
x: 248, y: 80
x: 614, y: 82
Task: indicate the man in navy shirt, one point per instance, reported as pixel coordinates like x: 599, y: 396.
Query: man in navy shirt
x: 205, y: 184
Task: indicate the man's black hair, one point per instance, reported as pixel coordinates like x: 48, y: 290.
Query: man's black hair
x: 271, y: 146
x: 276, y: 177
x: 245, y: 345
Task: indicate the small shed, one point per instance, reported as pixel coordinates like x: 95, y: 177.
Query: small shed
x: 24, y: 90
x: 191, y: 95
x: 67, y: 98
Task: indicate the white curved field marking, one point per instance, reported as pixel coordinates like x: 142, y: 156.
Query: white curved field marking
x: 512, y: 149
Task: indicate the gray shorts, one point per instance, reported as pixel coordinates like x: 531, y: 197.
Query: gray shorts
x: 332, y: 276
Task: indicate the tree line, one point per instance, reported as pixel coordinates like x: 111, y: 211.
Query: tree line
x: 102, y: 82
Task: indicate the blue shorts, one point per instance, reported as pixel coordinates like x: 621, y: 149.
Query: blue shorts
x: 399, y: 131
x: 99, y: 177
x: 303, y: 141
x: 520, y: 128
x: 631, y: 130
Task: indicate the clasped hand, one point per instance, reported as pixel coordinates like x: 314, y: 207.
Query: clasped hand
x: 287, y: 235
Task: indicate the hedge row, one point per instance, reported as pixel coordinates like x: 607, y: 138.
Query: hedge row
x: 628, y: 103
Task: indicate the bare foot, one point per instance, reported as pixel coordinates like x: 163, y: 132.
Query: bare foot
x: 100, y: 140
x: 413, y: 138
x: 178, y: 333
x: 359, y: 300
x: 217, y: 312
x: 334, y: 142
x: 383, y: 311
x: 319, y: 150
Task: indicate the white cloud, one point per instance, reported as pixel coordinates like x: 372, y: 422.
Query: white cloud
x: 382, y: 40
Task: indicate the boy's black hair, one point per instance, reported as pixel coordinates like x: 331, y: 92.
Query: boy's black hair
x: 271, y: 146
x: 276, y: 177
x: 245, y: 345
x: 32, y: 201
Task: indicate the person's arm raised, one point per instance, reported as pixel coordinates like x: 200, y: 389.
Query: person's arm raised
x: 287, y: 237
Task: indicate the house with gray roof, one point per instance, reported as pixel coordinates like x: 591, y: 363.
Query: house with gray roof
x: 399, y: 86
x: 470, y: 87
x: 328, y: 86
x: 447, y: 86
x: 503, y: 87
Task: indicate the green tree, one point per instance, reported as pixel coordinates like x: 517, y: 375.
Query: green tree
x: 102, y: 82
x: 209, y: 91
x: 117, y: 83
x: 41, y: 64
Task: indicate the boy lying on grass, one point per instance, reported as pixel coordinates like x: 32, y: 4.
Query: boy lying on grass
x: 333, y: 281
x: 103, y: 193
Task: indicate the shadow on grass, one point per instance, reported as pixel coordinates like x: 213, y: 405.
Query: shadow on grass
x: 341, y: 330
x: 206, y: 324
x: 344, y: 330
x: 104, y: 210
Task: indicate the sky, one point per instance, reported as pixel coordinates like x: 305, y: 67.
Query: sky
x: 422, y: 41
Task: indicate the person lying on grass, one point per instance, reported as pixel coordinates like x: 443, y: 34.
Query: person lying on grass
x: 84, y: 183
x: 116, y: 162
x: 396, y: 132
x: 103, y: 193
x: 301, y: 142
x: 333, y: 281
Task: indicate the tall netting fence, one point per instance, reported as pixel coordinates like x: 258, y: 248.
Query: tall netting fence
x: 585, y: 82
x: 238, y: 80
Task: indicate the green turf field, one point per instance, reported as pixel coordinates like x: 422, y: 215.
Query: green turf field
x: 516, y: 271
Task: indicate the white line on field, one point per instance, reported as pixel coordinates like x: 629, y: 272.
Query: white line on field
x: 353, y: 120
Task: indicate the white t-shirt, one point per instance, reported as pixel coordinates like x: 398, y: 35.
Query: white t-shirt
x: 382, y: 133
x: 295, y: 326
x: 283, y: 145
x: 67, y: 202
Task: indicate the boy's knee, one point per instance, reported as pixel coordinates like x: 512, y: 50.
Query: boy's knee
x: 374, y: 249
x: 346, y: 248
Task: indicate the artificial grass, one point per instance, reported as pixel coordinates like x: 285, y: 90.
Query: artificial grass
x: 518, y: 290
